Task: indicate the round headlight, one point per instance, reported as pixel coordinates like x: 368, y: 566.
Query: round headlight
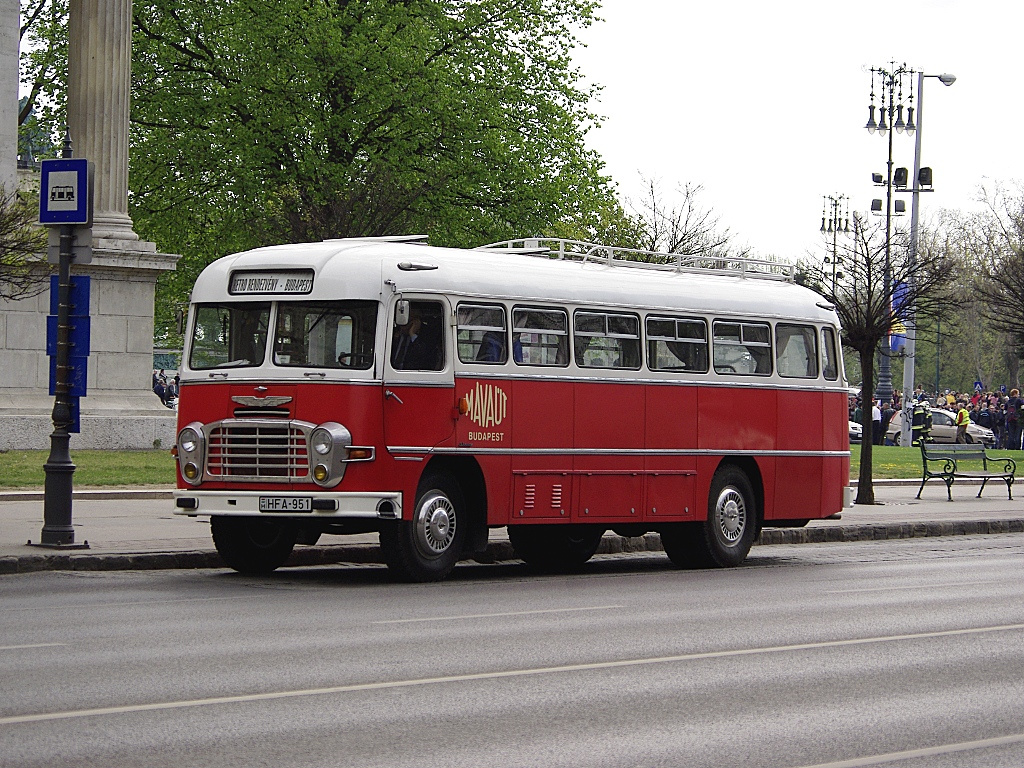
x: 188, y: 440
x: 320, y: 473
x: 190, y: 471
x: 321, y: 441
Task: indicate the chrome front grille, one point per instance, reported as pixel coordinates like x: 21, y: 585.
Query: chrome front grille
x: 261, y: 450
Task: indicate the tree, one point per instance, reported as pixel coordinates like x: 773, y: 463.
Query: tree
x: 999, y: 240
x: 21, y: 242
x: 684, y: 227
x: 257, y: 122
x: 43, y: 72
x: 867, y: 310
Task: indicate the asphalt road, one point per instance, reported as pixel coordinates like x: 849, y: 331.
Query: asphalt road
x: 907, y: 653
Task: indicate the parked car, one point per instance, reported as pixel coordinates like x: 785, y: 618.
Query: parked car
x: 856, y: 432
x: 943, y: 429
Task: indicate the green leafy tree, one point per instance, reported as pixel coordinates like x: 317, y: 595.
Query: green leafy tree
x: 21, y: 243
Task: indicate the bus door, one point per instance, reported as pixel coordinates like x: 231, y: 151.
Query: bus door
x: 419, y: 382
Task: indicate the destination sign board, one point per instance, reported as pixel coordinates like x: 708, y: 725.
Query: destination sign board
x: 295, y: 281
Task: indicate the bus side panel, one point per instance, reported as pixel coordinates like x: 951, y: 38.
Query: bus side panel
x: 736, y: 419
x: 670, y: 424
x: 836, y: 475
x: 798, y: 478
x: 541, y: 415
x: 487, y: 424
x: 609, y: 417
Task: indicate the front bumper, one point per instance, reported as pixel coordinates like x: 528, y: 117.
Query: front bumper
x: 324, y: 505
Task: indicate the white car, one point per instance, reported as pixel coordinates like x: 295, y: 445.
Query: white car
x: 943, y: 429
x: 856, y: 432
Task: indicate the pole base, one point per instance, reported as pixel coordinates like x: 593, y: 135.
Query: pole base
x: 72, y: 545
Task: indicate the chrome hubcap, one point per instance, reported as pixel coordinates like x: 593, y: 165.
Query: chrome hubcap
x: 730, y: 515
x: 435, y: 524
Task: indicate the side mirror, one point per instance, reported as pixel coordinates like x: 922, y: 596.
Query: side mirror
x: 179, y: 319
x: 402, y: 312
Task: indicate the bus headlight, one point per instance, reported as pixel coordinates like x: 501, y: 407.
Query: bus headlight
x: 320, y: 473
x: 321, y: 441
x: 191, y: 447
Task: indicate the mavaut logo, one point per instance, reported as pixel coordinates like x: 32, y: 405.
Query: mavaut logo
x: 488, y: 406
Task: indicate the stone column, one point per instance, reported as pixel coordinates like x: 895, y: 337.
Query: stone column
x: 9, y: 22
x: 120, y: 409
x: 99, y: 88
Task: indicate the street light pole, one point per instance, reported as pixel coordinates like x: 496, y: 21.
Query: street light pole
x: 891, y: 106
x: 833, y: 222
x: 915, y: 200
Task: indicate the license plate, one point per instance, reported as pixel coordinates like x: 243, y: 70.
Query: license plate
x: 286, y: 504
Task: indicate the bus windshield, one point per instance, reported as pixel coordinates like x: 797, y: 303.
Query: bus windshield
x: 325, y: 334
x: 229, y: 335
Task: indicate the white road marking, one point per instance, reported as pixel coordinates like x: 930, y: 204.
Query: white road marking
x: 498, y: 675
x: 29, y: 645
x: 910, y: 754
x: 498, y: 615
x: 914, y: 586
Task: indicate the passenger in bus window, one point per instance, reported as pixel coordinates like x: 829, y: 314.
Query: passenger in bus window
x: 492, y: 348
x: 418, y: 345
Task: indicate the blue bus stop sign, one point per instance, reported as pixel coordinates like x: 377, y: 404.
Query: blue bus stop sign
x: 64, y: 193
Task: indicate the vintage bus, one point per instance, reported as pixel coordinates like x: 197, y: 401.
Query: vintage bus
x: 555, y: 388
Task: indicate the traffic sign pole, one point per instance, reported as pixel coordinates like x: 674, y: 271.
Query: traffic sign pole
x: 58, y: 532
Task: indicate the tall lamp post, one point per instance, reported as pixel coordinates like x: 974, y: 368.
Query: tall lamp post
x: 835, y: 220
x: 890, y: 121
x: 920, y: 179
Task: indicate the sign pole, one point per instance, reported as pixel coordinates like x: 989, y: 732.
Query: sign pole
x: 58, y: 532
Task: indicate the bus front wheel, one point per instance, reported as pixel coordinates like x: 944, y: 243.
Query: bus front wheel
x: 427, y: 547
x: 555, y: 547
x: 253, y: 545
x: 724, y: 539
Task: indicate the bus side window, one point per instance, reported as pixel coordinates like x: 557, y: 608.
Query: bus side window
x: 606, y: 340
x: 482, y: 333
x: 540, y: 336
x: 677, y: 344
x: 796, y: 351
x: 830, y: 361
x: 743, y: 348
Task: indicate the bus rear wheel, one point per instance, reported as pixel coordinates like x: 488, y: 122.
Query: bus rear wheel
x: 253, y: 545
x: 555, y: 547
x: 427, y: 547
x: 724, y: 539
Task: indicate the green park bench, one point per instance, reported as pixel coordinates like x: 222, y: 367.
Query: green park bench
x: 946, y: 462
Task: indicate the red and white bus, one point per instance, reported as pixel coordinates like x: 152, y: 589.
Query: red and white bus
x: 556, y: 388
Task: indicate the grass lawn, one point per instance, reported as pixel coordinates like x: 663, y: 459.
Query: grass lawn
x: 892, y: 461
x: 118, y: 469
x: 24, y: 469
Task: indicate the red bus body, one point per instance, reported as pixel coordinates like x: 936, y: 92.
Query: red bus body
x: 631, y: 449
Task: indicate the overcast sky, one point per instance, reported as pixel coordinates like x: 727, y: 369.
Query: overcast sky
x: 764, y: 103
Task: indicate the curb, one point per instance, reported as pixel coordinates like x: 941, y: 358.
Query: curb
x: 499, y: 551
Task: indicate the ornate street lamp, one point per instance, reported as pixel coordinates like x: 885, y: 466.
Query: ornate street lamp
x: 890, y: 121
x: 835, y: 220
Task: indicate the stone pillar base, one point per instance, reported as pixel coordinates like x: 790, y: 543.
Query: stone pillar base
x: 133, y: 422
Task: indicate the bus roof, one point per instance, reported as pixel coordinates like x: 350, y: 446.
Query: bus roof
x: 365, y: 267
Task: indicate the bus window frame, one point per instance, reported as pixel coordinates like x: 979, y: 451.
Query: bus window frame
x: 607, y: 315
x: 812, y: 358
x: 562, y: 351
x: 676, y: 320
x: 716, y: 342
x: 479, y: 345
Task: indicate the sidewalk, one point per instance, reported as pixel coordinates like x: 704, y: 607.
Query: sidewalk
x: 137, y: 530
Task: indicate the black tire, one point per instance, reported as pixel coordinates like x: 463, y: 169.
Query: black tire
x: 557, y: 548
x: 427, y: 547
x: 724, y: 539
x: 253, y: 545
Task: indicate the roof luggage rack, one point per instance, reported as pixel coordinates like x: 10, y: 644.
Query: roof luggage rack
x: 419, y: 239
x: 584, y: 252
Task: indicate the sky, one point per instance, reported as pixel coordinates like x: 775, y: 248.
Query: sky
x: 764, y: 104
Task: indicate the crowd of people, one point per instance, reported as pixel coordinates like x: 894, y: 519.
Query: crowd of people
x: 164, y: 388
x: 998, y: 411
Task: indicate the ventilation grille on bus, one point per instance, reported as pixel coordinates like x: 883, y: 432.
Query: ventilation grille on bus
x: 240, y: 449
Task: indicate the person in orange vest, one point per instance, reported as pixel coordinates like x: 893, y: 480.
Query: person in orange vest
x: 963, y: 418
